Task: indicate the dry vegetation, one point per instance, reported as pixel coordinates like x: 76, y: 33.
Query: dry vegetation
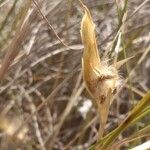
x: 43, y: 101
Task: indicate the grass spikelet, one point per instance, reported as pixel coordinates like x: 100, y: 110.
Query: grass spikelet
x: 101, y: 80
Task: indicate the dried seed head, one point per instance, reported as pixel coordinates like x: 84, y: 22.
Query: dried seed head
x: 101, y: 80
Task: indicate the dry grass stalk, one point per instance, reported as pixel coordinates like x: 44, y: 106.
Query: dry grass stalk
x: 21, y: 34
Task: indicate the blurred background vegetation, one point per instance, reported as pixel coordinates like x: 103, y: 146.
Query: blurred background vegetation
x: 43, y: 102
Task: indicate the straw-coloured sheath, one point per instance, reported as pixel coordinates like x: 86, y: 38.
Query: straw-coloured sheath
x: 100, y: 80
